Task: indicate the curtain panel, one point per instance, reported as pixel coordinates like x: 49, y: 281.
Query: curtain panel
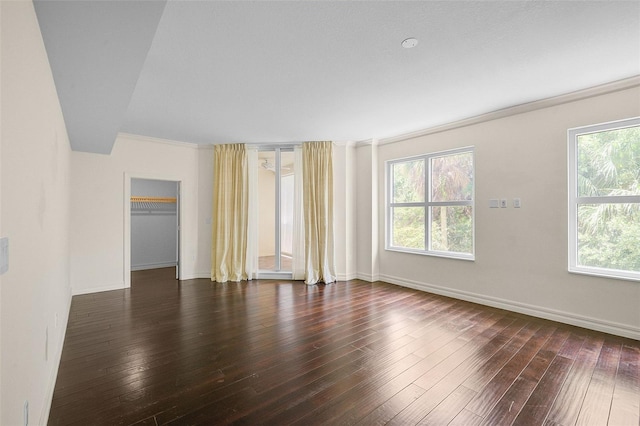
x: 230, y: 214
x: 318, y: 212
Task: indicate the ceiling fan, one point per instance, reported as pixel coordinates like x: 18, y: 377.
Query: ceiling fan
x: 268, y: 165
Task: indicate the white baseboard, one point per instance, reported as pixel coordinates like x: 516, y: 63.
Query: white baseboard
x: 107, y: 287
x: 145, y: 266
x: 367, y: 277
x: 523, y: 308
x: 196, y: 275
x: 346, y: 277
x: 51, y: 385
x: 207, y: 275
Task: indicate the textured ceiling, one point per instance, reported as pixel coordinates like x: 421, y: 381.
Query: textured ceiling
x: 265, y: 72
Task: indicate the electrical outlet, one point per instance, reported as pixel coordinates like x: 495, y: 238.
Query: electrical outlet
x: 516, y: 203
x: 503, y: 203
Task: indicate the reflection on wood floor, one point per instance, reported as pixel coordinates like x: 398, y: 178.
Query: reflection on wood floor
x: 279, y: 352
x: 268, y: 263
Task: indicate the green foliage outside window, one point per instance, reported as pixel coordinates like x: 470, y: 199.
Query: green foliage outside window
x: 408, y: 227
x: 609, y: 233
x: 450, y: 180
x: 408, y: 182
x: 455, y: 233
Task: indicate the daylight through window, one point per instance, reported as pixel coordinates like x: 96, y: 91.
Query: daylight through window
x: 430, y: 204
x: 604, y: 199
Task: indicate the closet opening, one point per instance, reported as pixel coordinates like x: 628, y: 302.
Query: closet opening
x: 154, y: 225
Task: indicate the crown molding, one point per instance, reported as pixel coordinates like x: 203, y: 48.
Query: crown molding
x: 591, y: 92
x: 368, y: 142
x: 345, y: 143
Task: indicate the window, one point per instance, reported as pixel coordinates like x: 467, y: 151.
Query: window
x: 430, y: 204
x: 604, y: 199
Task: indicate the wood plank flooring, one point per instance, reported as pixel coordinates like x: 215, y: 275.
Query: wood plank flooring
x: 280, y: 352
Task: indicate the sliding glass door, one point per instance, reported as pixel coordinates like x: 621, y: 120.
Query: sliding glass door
x: 276, y: 212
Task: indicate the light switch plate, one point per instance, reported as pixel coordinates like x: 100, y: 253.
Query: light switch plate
x: 516, y: 203
x: 494, y: 203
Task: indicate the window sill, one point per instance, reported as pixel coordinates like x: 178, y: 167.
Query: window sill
x: 605, y: 273
x: 447, y: 255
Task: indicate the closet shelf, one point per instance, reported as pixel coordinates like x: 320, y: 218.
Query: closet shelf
x: 150, y: 205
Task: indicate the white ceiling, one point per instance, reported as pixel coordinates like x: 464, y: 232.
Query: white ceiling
x: 214, y: 72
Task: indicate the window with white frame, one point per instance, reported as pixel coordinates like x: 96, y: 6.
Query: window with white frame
x: 604, y: 199
x: 430, y: 200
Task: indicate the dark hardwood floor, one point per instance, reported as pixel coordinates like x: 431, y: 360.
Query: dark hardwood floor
x: 278, y: 352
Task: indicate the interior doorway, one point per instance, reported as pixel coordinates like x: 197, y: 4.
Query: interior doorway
x: 276, y: 206
x: 152, y: 225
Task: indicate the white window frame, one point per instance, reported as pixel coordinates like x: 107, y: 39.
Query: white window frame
x: 575, y: 200
x: 427, y: 203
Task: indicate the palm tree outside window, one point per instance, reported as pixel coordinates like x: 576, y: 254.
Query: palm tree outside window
x: 430, y: 204
x: 604, y: 199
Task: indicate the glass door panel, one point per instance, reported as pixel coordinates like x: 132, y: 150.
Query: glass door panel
x: 267, y: 210
x: 286, y: 209
x: 275, y: 200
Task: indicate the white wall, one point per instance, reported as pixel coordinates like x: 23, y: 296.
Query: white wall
x: 366, y: 196
x: 153, y: 235
x: 521, y: 254
x: 35, y: 178
x: 205, y: 210
x: 344, y: 210
x: 153, y: 188
x: 98, y: 203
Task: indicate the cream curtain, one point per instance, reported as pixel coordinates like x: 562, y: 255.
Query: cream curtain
x: 318, y: 211
x: 230, y: 214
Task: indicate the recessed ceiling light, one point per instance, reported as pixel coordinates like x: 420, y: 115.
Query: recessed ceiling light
x: 409, y: 43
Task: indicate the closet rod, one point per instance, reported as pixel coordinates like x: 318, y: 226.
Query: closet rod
x: 153, y: 199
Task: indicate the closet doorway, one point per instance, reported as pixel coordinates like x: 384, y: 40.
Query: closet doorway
x: 276, y: 207
x: 154, y: 225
